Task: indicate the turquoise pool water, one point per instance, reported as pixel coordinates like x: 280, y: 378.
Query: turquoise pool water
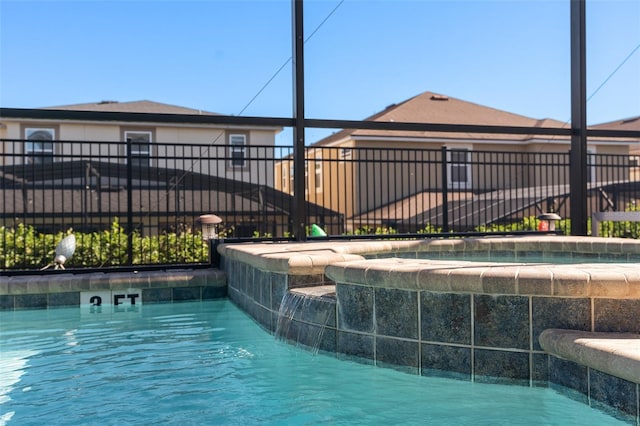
x: 208, y: 363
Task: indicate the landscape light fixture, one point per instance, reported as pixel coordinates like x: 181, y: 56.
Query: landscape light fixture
x: 209, y: 226
x: 548, y: 221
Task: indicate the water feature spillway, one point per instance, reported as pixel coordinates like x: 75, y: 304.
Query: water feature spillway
x: 307, y: 317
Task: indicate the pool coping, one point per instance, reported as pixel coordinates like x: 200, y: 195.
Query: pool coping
x: 397, y: 264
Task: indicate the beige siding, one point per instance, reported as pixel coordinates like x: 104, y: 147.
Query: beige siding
x: 211, y: 158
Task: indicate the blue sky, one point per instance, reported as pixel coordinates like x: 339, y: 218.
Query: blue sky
x: 364, y: 55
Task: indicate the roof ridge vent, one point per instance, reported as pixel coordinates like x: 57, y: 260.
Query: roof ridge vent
x: 107, y: 102
x: 439, y: 98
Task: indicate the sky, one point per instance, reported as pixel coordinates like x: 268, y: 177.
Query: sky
x: 234, y: 57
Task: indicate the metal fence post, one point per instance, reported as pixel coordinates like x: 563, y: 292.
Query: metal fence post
x: 129, y: 204
x: 578, y: 158
x: 445, y: 191
x: 299, y: 213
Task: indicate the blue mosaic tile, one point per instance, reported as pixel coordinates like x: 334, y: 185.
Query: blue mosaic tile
x: 501, y: 367
x: 7, y: 302
x: 263, y: 316
x: 31, y: 301
x: 355, y: 308
x: 615, y: 315
x: 501, y: 321
x: 615, y: 396
x: 214, y: 292
x: 310, y: 335
x: 181, y: 294
x: 64, y: 299
x: 396, y: 313
x: 317, y: 310
x: 354, y: 346
x: 297, y: 281
x: 279, y: 288
x: 569, y: 378
x: 446, y: 361
x: 554, y: 312
x: 262, y: 287
x: 329, y: 341
x: 402, y: 355
x: 540, y: 370
x: 445, y: 317
x: 156, y: 295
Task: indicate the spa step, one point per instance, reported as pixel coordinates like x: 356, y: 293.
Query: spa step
x: 617, y: 354
x: 325, y: 291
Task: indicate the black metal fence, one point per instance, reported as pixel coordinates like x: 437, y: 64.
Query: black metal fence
x: 412, y: 191
x: 130, y: 204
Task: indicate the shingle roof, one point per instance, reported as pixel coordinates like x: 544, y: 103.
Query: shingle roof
x: 632, y: 123
x: 429, y: 107
x: 134, y: 106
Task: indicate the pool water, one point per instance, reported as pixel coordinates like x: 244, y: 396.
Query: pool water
x: 208, y: 363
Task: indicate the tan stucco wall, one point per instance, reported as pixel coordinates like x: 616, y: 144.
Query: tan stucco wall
x: 258, y: 170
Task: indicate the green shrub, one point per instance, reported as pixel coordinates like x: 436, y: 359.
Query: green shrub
x: 23, y: 247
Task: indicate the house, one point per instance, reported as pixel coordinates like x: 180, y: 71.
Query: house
x: 147, y: 134
x: 628, y: 124
x: 154, y: 164
x: 395, y: 177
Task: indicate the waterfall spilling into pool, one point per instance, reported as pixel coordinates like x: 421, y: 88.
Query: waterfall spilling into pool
x: 306, y: 319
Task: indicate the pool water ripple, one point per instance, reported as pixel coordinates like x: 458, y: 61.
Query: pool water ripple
x: 208, y: 363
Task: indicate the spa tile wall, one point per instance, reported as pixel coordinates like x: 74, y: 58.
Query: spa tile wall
x: 479, y: 337
x: 51, y: 291
x: 616, y: 396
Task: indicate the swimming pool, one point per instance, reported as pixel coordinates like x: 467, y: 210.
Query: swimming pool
x: 209, y: 363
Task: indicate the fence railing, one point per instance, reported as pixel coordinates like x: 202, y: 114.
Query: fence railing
x: 132, y: 204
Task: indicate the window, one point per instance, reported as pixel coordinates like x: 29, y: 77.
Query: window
x: 285, y: 177
x: 591, y: 165
x: 237, y: 147
x: 318, y: 172
x: 345, y: 153
x: 39, y: 145
x: 140, y: 143
x: 291, y: 176
x: 459, y: 165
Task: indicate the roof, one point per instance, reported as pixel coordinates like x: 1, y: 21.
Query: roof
x: 629, y: 124
x: 144, y: 106
x: 478, y: 209
x: 200, y: 192
x: 429, y: 107
x: 632, y: 123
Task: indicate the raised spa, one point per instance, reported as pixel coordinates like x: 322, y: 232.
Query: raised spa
x: 398, y: 304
